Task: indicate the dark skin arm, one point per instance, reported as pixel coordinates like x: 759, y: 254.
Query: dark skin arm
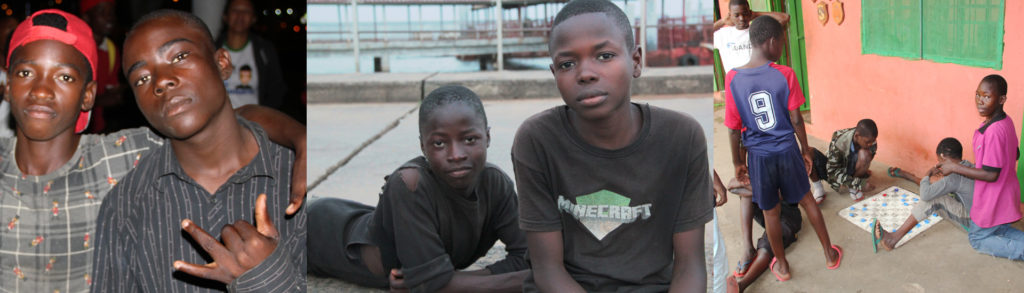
x: 548, y: 267
x: 972, y: 173
x: 470, y: 281
x: 912, y: 177
x: 288, y: 132
x: 782, y: 17
x: 720, y: 196
x: 244, y: 246
x: 864, y: 158
x: 737, y: 158
x: 688, y: 273
x: 801, y: 135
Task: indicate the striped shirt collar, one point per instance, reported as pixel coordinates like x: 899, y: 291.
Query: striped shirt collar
x: 259, y: 166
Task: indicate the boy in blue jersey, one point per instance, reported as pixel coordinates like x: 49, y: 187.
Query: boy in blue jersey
x: 759, y: 96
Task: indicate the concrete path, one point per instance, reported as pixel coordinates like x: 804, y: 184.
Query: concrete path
x: 336, y: 130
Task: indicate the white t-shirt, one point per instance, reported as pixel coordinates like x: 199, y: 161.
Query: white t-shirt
x: 734, y: 46
x: 243, y: 93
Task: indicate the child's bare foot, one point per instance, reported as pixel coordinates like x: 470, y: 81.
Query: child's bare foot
x: 731, y: 286
x: 780, y: 270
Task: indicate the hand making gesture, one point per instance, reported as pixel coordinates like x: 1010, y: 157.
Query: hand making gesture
x: 243, y: 248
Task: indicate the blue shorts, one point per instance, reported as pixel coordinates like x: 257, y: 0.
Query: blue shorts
x: 775, y: 176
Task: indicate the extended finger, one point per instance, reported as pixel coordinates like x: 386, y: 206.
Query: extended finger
x: 230, y: 235
x: 298, y: 185
x: 263, y: 223
x: 209, y: 271
x: 296, y: 201
x: 207, y: 242
x: 396, y: 281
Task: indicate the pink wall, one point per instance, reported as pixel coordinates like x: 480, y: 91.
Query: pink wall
x: 915, y: 103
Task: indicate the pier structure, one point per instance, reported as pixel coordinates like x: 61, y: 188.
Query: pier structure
x: 493, y: 29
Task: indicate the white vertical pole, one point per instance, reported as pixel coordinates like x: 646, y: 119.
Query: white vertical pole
x: 643, y: 33
x: 501, y: 19
x: 355, y: 32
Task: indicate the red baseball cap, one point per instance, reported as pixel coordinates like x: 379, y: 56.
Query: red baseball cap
x: 62, y: 27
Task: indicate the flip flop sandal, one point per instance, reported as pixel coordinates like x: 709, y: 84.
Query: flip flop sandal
x: 875, y: 236
x: 771, y: 267
x: 839, y: 257
x: 881, y: 231
x: 743, y: 266
x: 893, y: 172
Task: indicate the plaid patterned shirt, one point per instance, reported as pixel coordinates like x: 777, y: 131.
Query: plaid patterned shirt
x: 47, y: 242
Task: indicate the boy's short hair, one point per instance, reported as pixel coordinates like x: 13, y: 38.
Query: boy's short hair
x: 188, y: 18
x: 577, y: 7
x: 997, y: 82
x: 764, y: 28
x: 950, y: 147
x: 245, y: 68
x: 867, y: 127
x: 450, y: 94
x: 739, y: 2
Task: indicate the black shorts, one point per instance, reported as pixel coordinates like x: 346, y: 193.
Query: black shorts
x: 335, y: 230
x: 778, y: 176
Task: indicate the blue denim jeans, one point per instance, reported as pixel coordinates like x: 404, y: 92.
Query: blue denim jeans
x: 1000, y: 241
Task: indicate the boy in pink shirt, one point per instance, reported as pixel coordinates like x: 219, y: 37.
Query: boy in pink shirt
x: 996, y: 189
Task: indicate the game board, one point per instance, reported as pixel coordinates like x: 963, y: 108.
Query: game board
x: 891, y: 207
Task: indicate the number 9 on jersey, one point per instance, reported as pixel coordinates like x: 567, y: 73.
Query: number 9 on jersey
x: 764, y: 114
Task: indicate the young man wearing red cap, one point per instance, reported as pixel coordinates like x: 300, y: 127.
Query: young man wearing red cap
x: 54, y: 179
x: 213, y: 173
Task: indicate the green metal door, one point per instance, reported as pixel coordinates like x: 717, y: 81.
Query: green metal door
x: 797, y: 48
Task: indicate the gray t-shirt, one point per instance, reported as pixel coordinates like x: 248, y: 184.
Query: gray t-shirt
x: 617, y: 209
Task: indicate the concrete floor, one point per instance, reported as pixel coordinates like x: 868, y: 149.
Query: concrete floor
x: 938, y: 260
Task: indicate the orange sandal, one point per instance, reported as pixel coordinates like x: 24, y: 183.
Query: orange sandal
x: 771, y: 267
x: 839, y: 257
